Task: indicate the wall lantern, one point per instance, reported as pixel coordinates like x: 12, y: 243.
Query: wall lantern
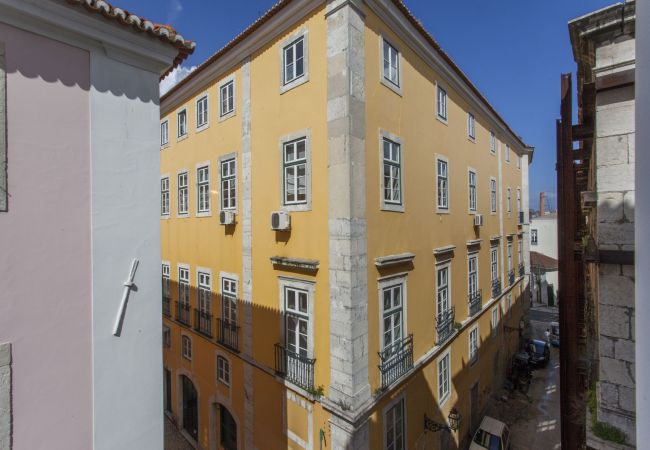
x: 453, y: 418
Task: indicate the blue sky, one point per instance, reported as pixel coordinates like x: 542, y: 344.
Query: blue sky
x: 512, y: 50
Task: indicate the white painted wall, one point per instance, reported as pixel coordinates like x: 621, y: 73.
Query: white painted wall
x: 546, y: 227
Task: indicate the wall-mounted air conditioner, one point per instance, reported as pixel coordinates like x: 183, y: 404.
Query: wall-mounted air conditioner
x: 280, y: 220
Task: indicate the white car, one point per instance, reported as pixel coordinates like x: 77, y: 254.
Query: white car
x: 492, y: 435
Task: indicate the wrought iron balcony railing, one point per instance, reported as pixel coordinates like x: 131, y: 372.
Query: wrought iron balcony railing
x: 475, y: 302
x: 511, y: 277
x: 522, y: 270
x: 167, y: 306
x: 445, y: 325
x: 228, y: 334
x: 496, y: 287
x: 183, y: 313
x: 294, y: 367
x: 396, y: 360
x: 203, y: 322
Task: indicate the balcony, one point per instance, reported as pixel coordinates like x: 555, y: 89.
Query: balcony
x: 496, y: 287
x: 228, y: 334
x: 295, y: 368
x: 511, y: 277
x: 475, y: 302
x: 396, y: 360
x: 522, y: 270
x: 167, y: 306
x: 203, y: 322
x: 183, y: 313
x: 445, y: 325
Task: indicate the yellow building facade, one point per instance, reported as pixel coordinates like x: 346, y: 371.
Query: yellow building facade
x: 340, y: 257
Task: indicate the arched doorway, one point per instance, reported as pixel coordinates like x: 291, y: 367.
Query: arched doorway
x: 190, y: 408
x: 227, y: 429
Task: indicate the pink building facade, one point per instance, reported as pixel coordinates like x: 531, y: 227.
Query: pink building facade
x: 79, y: 174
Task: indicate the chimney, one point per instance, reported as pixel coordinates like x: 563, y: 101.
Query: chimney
x: 541, y: 203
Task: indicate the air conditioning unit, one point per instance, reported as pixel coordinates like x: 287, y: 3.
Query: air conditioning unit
x: 478, y: 220
x: 227, y: 218
x: 280, y: 220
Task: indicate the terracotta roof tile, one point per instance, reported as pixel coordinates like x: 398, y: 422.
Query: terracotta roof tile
x: 165, y: 33
x: 543, y: 262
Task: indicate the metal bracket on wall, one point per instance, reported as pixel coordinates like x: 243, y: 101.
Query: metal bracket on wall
x: 128, y: 286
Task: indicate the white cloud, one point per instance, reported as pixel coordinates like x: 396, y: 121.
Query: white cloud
x: 174, y: 9
x: 174, y: 77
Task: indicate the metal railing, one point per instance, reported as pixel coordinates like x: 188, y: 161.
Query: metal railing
x: 475, y: 302
x: 203, y: 322
x: 396, y: 360
x: 511, y: 277
x: 295, y: 368
x: 496, y: 287
x: 167, y: 306
x: 228, y: 334
x: 445, y: 325
x: 522, y: 270
x: 183, y: 313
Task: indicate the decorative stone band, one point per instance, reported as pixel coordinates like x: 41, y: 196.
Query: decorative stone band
x: 495, y: 238
x: 394, y: 260
x: 474, y: 242
x: 440, y: 251
x: 295, y: 263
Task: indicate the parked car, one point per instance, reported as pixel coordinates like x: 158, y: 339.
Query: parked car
x: 555, y: 334
x: 540, y: 352
x: 492, y: 434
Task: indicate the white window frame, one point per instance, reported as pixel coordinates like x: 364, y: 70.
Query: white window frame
x: 534, y: 236
x: 230, y: 101
x: 472, y: 190
x: 493, y: 143
x: 223, y: 370
x: 518, y: 201
x: 203, y: 192
x: 299, y: 285
x: 494, y: 320
x: 398, y: 401
x: 473, y: 346
x: 181, y: 113
x: 493, y: 195
x: 167, y: 336
x: 494, y: 263
x: 473, y: 256
x: 519, y: 253
x: 518, y: 161
x: 386, y: 284
x: 186, y: 346
x: 165, y: 196
x: 508, y: 153
x: 393, y: 85
x: 164, y: 134
x: 443, y: 394
x: 166, y: 281
x: 301, y: 205
x: 230, y: 180
x: 204, y: 289
x: 183, y: 271
x: 183, y: 191
x: 509, y: 200
x: 509, y: 256
x: 287, y: 85
x: 391, y: 205
x: 229, y: 288
x: 202, y: 115
x: 442, y: 107
x: 446, y: 266
x: 471, y: 127
x: 442, y: 208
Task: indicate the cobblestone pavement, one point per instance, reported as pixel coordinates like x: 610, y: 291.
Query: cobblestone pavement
x: 173, y: 438
x: 534, y: 419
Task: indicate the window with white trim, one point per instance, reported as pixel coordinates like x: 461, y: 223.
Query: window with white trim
x: 392, y: 182
x: 223, y: 370
x: 229, y: 301
x: 471, y: 126
x: 181, y: 121
x: 518, y: 161
x: 442, y: 102
x: 164, y: 133
x: 509, y: 202
x: 182, y: 193
x: 495, y: 320
x: 392, y: 315
x: 391, y: 63
x: 494, y: 262
x: 518, y: 200
x: 472, y: 190
x: 228, y: 184
x: 203, y: 189
x: 186, y: 345
x: 493, y: 142
x: 472, y: 271
x: 295, y: 171
x: 294, y: 63
x: 442, y: 291
x: 184, y: 286
x: 473, y: 344
x: 296, y: 306
x: 493, y: 195
x: 205, y: 292
x: 507, y: 153
x: 227, y: 98
x: 166, y: 292
x: 202, y: 111
x: 444, y: 377
x: 443, y: 184
x: 519, y: 260
x: 167, y: 337
x: 533, y: 237
x: 394, y: 427
x: 164, y: 196
x: 509, y: 256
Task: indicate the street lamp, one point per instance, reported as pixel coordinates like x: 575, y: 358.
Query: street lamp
x: 453, y: 420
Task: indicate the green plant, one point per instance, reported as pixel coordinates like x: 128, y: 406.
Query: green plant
x: 601, y: 429
x: 343, y: 405
x: 378, y: 391
x: 457, y: 325
x: 317, y: 392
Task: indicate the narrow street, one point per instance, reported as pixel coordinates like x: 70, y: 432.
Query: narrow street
x: 534, y: 418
